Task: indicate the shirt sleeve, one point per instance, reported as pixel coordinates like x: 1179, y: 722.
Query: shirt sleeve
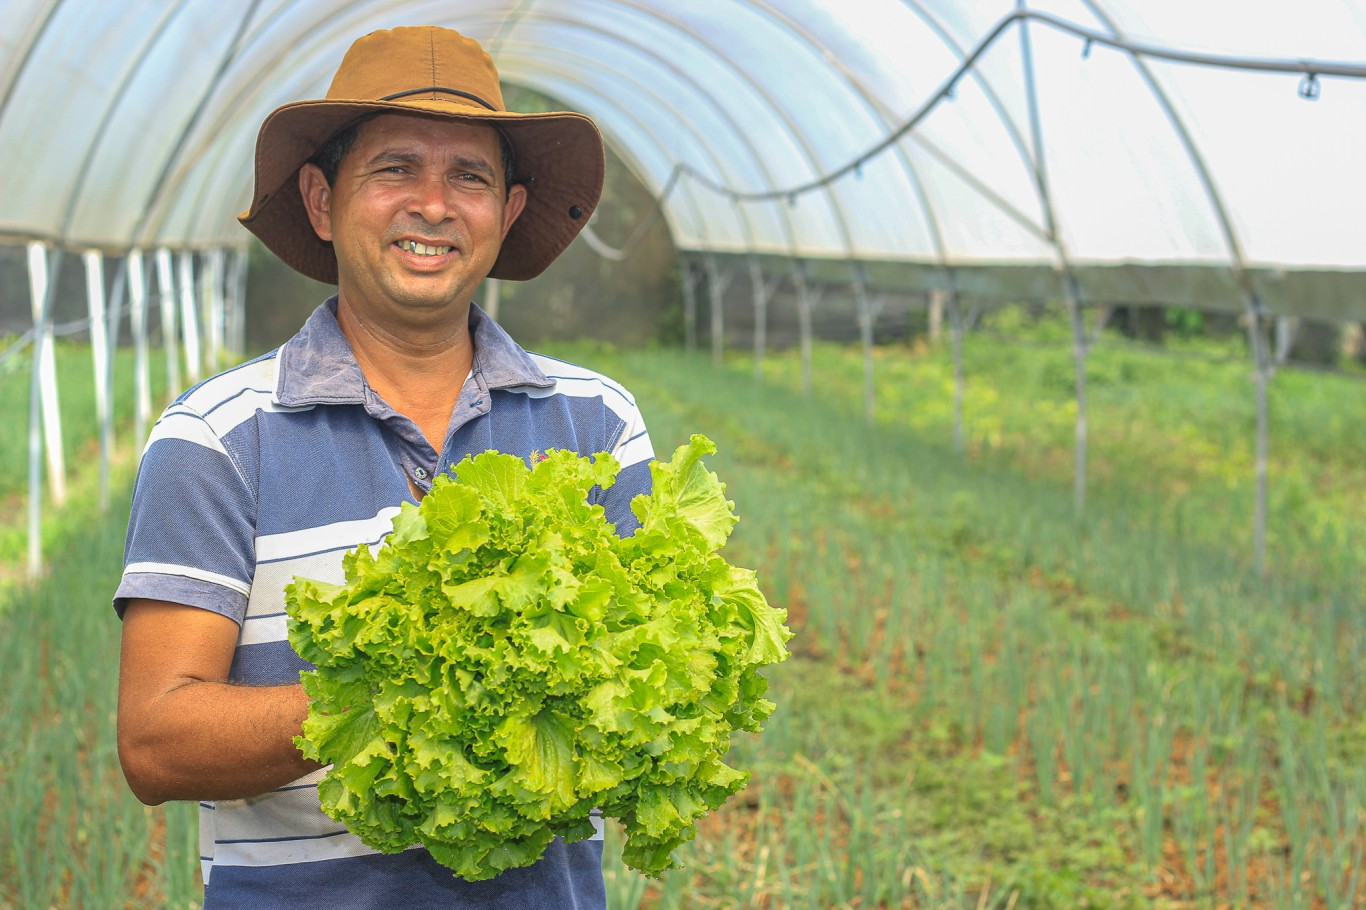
x: 191, y: 533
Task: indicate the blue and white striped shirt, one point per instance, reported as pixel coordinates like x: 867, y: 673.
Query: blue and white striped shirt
x: 276, y: 469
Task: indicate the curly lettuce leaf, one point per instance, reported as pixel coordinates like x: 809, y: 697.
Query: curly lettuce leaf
x: 506, y: 663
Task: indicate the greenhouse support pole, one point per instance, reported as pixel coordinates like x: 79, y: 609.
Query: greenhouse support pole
x: 935, y: 315
x: 689, y: 278
x: 1264, y: 369
x: 868, y: 308
x: 211, y: 313
x: 116, y: 301
x: 949, y: 300
x: 43, y: 274
x: 41, y: 296
x: 491, y: 292
x: 717, y: 282
x: 807, y: 299
x: 1070, y: 290
x: 763, y: 292
x: 217, y: 309
x: 1080, y: 347
x: 166, y: 295
x: 237, y: 297
x: 189, y: 315
x: 1263, y: 360
x: 99, y: 355
x: 137, y: 300
x: 35, y: 416
x: 115, y: 308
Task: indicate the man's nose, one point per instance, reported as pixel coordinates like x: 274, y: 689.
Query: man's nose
x: 430, y: 198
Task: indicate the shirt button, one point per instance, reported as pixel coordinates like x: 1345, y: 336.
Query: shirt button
x: 420, y: 473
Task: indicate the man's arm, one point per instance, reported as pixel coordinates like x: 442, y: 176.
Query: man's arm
x: 186, y: 733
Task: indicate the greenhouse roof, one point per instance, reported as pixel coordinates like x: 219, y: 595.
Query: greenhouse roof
x: 942, y: 132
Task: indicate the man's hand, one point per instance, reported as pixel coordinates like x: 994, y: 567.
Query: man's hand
x: 183, y: 731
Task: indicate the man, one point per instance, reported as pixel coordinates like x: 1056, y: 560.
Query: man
x: 407, y: 186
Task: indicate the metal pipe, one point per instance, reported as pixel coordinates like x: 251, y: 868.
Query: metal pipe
x: 1080, y: 349
x: 41, y: 296
x: 27, y: 55
x: 867, y: 310
x: 238, y: 297
x: 137, y: 280
x: 1264, y: 369
x: 189, y: 315
x: 1313, y: 68
x: 689, y: 277
x: 717, y: 283
x: 763, y: 291
x: 166, y: 297
x: 957, y: 328
x: 116, y: 300
x: 604, y: 101
x: 679, y: 114
x: 99, y: 354
x: 213, y: 291
x: 807, y: 298
x: 1252, y: 305
x: 1071, y: 292
x: 161, y: 184
x: 44, y: 273
x: 83, y: 171
x: 757, y: 85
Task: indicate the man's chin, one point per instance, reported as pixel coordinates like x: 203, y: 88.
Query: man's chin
x: 432, y: 294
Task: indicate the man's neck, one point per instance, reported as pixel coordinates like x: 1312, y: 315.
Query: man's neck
x: 418, y: 370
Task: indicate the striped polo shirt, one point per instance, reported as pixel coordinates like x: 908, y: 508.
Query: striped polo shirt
x: 276, y: 469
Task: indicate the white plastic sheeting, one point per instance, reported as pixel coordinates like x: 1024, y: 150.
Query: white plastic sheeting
x: 133, y: 123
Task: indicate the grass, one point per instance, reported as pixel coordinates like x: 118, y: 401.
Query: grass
x: 1176, y: 429
x: 992, y: 703
x: 71, y: 833
x: 1107, y: 713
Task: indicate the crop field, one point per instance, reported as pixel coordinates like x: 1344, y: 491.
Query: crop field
x: 80, y: 435
x: 992, y: 703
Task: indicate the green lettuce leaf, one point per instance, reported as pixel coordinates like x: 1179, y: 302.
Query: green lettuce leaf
x: 505, y: 663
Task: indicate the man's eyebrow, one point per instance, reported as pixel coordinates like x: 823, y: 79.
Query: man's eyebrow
x: 394, y: 156
x: 477, y: 165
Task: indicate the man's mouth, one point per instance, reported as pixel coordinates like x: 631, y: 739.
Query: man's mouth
x: 422, y: 249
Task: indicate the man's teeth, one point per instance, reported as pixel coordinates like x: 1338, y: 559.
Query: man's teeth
x: 422, y: 249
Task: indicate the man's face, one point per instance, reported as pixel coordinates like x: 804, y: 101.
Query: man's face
x: 416, y: 216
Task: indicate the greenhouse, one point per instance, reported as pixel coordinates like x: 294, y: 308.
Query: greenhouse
x: 1050, y: 312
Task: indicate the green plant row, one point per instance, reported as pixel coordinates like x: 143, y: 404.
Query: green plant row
x: 991, y: 704
x: 1102, y: 713
x: 71, y: 833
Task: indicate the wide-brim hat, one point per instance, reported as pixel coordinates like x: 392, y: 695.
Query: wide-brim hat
x: 438, y: 73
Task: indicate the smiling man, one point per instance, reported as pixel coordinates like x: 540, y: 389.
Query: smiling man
x: 406, y: 186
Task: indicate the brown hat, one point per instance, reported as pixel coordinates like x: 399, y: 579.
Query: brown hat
x: 429, y: 72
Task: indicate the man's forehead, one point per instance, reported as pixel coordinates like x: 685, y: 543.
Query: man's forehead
x: 400, y: 130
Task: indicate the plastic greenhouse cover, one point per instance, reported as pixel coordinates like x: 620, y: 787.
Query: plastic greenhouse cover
x: 134, y: 123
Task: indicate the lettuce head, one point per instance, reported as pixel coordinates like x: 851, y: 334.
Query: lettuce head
x: 505, y: 665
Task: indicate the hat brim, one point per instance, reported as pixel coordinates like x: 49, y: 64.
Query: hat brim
x: 559, y: 159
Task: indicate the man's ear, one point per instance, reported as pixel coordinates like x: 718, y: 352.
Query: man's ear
x: 317, y: 196
x: 516, y: 201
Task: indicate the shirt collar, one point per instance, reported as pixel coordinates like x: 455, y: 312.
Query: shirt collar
x: 317, y: 365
